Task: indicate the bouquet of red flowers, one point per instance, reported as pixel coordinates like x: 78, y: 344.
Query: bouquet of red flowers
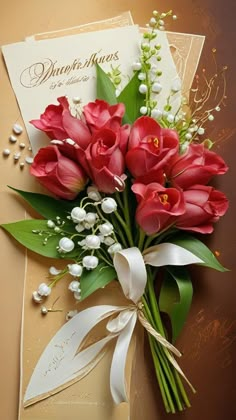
x: 132, y: 187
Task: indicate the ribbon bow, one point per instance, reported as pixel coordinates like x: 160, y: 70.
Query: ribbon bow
x: 61, y: 364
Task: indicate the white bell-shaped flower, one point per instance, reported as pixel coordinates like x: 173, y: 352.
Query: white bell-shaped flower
x: 106, y: 228
x: 114, y: 248
x: 92, y: 242
x: 108, y: 205
x: 78, y: 214
x: 74, y: 286
x: 91, y: 218
x: 44, y: 289
x: 75, y: 269
x: 90, y: 262
x: 66, y: 245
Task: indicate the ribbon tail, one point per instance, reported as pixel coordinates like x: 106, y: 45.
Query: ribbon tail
x: 60, y: 365
x: 117, y: 373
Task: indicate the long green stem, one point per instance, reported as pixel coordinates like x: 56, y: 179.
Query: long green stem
x: 126, y: 228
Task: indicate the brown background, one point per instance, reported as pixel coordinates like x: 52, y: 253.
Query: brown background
x: 208, y: 341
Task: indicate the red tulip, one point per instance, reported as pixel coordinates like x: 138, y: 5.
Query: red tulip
x: 60, y: 175
x: 204, y: 206
x: 150, y: 148
x: 58, y: 123
x: 196, y: 166
x: 158, y: 207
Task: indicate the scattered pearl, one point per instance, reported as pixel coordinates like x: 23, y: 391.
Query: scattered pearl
x: 16, y: 156
x: 44, y: 310
x: 17, y: 129
x: 29, y: 159
x: 174, y: 17
x: 6, y: 152
x: 22, y: 165
x: 22, y: 145
x: 12, y: 138
x: 30, y: 148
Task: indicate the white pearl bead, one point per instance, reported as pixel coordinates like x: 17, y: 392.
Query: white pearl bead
x: 17, y: 129
x: 12, y: 138
x: 6, y: 152
x: 22, y: 145
x: 29, y: 159
x: 16, y: 156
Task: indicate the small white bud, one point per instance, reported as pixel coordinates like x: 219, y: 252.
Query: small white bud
x: 156, y: 87
x: 156, y: 113
x: 50, y: 224
x: 136, y: 66
x: 66, y: 245
x: 152, y: 21
x: 75, y: 269
x: 170, y: 118
x: 142, y: 76
x: 74, y: 286
x: 201, y: 131
x: 77, y: 295
x: 188, y: 136
x: 78, y: 214
x: 90, y: 262
x: 143, y: 88
x: 211, y: 117
x: 93, y: 193
x: 44, y: 289
x: 143, y: 110
x: 108, y: 205
x: 92, y: 242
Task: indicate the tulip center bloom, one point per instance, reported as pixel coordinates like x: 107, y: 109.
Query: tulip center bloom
x: 154, y: 143
x: 164, y: 200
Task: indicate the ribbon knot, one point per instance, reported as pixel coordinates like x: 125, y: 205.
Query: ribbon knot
x: 61, y: 364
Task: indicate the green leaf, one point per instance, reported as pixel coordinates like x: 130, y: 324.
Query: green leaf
x: 199, y: 249
x: 45, y: 205
x: 132, y: 99
x: 105, y: 88
x: 22, y: 232
x: 93, y: 280
x: 176, y: 297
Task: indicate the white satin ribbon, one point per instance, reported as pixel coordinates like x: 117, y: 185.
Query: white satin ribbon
x: 61, y: 365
